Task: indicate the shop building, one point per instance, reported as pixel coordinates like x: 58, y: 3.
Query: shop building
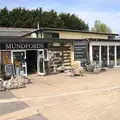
x: 105, y: 53
x: 43, y: 50
x: 102, y: 49
x: 34, y: 55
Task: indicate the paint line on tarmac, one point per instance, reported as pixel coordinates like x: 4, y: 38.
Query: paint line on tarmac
x: 61, y: 94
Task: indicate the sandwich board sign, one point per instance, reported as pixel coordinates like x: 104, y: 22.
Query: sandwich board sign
x: 9, y: 70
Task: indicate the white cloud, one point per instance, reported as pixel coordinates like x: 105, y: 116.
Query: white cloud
x: 112, y: 19
x: 88, y: 10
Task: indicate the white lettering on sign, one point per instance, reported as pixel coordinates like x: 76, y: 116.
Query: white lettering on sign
x: 23, y: 46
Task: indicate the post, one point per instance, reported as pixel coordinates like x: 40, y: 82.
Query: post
x: 100, y: 57
x: 108, y: 54
x: 91, y: 53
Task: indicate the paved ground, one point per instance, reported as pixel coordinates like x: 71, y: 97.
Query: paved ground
x: 59, y: 97
x: 11, y: 107
x: 6, y: 95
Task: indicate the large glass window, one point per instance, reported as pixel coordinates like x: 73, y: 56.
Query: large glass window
x: 19, y: 63
x: 51, y: 35
x: 111, y: 55
x: 118, y: 55
x: 104, y: 55
x: 95, y: 52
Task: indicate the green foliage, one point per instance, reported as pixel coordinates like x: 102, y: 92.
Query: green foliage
x: 4, y: 17
x: 73, y: 22
x: 101, y: 27
x: 21, y: 17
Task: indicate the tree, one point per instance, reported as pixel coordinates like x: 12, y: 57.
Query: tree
x: 4, y: 17
x: 100, y: 27
x: 73, y: 22
x: 21, y: 17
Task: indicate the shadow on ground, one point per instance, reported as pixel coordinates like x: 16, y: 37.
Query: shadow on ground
x: 35, y: 117
x: 7, y: 108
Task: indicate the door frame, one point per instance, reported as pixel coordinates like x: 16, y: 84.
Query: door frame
x: 12, y: 51
x: 38, y: 58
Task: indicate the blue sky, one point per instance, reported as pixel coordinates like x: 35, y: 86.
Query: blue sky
x: 108, y: 11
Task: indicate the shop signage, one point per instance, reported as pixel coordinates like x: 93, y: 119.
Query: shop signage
x: 81, y: 50
x: 9, y: 46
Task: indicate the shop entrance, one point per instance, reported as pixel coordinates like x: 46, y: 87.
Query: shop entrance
x: 31, y: 59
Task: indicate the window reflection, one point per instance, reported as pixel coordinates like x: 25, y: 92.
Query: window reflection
x: 96, y: 54
x: 118, y: 55
x: 104, y: 55
x: 111, y: 55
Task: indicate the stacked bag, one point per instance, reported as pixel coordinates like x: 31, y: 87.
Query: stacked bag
x: 14, y: 83
x: 1, y: 85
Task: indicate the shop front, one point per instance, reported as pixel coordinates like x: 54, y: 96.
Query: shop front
x: 31, y: 56
x: 28, y: 61
x: 27, y: 57
x: 105, y: 53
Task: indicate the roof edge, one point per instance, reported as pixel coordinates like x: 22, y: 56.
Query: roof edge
x: 71, y: 30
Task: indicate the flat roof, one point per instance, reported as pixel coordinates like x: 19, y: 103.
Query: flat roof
x: 21, y: 40
x: 10, y: 31
x: 108, y: 40
x: 71, y: 30
x: 44, y: 40
x: 32, y: 40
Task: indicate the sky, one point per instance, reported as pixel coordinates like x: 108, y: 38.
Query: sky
x: 108, y: 11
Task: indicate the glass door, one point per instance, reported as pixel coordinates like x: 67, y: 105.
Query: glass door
x: 19, y: 61
x: 40, y: 62
x: 111, y: 56
x: 104, y: 56
x: 118, y: 55
x: 96, y: 54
